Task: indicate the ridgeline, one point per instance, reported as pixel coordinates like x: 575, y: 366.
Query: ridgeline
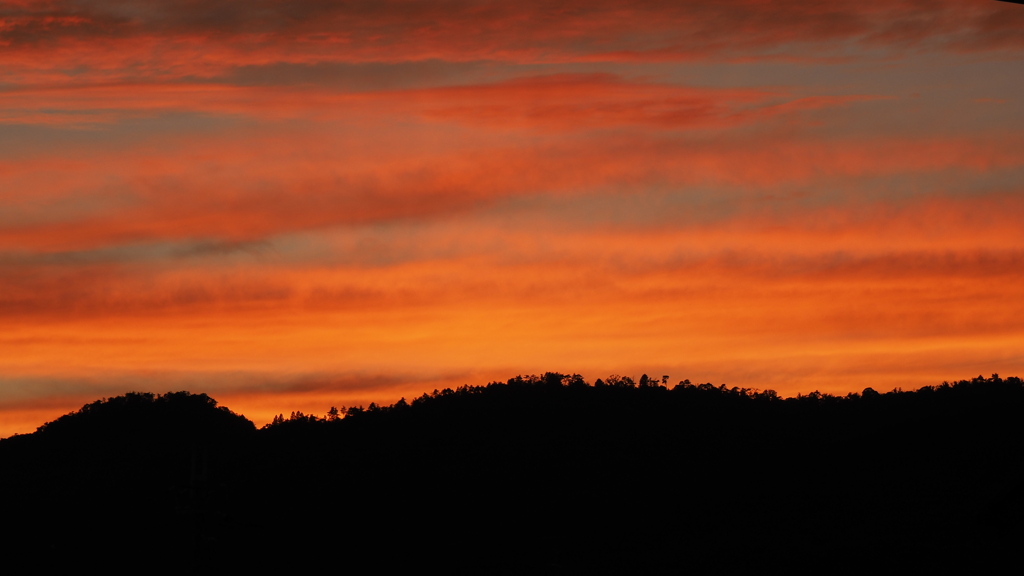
x: 535, y: 475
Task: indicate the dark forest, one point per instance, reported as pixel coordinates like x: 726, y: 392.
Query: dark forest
x: 540, y: 475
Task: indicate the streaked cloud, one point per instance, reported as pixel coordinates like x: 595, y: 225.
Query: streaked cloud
x: 296, y: 204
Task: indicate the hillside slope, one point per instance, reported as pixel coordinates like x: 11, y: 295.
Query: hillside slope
x: 534, y: 475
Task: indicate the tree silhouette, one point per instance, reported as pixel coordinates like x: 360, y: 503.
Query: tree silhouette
x: 532, y: 473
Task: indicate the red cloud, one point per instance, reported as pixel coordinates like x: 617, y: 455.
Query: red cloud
x: 131, y: 245
x: 174, y: 39
x: 283, y: 181
x: 554, y: 102
x: 469, y: 260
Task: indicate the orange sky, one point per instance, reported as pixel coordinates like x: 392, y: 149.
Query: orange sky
x: 293, y: 205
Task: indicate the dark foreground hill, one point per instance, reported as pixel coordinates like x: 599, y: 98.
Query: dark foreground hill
x: 535, y: 475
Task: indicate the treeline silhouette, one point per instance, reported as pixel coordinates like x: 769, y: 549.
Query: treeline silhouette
x: 538, y: 474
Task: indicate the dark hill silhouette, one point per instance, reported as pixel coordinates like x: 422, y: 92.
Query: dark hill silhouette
x: 133, y: 472
x: 534, y: 475
x: 171, y: 417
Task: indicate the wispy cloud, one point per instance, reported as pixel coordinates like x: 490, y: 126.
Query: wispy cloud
x: 299, y: 204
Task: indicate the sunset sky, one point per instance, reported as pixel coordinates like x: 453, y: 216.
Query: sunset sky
x: 295, y: 204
